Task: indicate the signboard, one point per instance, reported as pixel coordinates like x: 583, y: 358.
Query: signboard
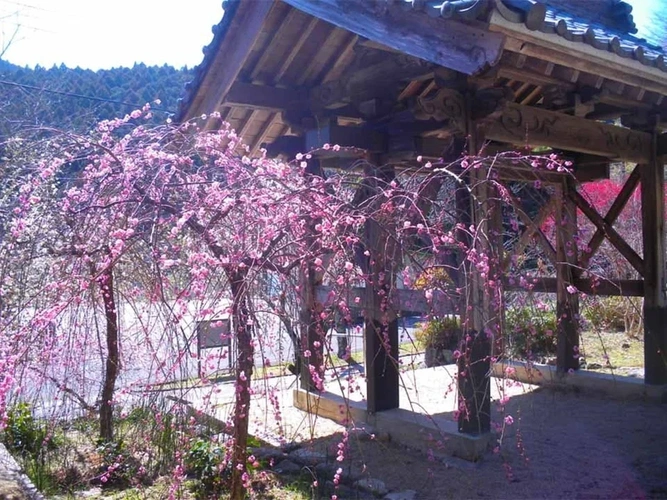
x: 213, y: 333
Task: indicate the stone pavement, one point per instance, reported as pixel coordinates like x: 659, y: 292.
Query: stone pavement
x: 14, y: 485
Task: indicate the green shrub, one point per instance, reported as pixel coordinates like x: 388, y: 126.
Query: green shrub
x: 440, y: 333
x: 25, y: 435
x: 30, y: 441
x: 530, y: 332
x: 118, y: 468
x: 206, y: 461
x: 614, y: 314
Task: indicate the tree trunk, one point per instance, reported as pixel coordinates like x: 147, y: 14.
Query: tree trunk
x: 244, y: 369
x: 105, y: 281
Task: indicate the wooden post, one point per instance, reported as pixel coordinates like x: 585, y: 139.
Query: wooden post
x: 313, y: 331
x: 655, y: 302
x: 567, y: 297
x: 479, y: 318
x: 381, y: 328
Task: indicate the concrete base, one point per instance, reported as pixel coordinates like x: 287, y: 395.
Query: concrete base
x: 438, y: 434
x: 613, y: 386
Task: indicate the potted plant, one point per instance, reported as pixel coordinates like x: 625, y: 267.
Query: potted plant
x: 439, y: 337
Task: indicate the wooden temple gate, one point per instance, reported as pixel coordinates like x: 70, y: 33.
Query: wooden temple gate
x: 399, y: 79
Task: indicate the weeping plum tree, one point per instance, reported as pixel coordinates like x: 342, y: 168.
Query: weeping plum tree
x: 172, y: 219
x: 154, y: 215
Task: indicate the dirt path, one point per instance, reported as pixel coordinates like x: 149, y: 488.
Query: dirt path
x: 561, y: 445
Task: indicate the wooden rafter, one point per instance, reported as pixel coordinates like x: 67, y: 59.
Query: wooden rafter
x: 530, y: 231
x: 410, y: 90
x: 287, y: 62
x: 278, y: 34
x: 342, y: 61
x: 261, y: 136
x: 246, y: 124
x: 612, y: 235
x: 533, y: 227
x: 531, y: 97
x: 612, y: 214
x: 316, y: 62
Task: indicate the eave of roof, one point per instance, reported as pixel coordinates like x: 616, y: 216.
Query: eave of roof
x: 536, y: 16
x: 219, y: 31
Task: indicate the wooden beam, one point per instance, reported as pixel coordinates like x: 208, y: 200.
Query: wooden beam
x: 604, y: 287
x: 612, y: 235
x: 252, y: 96
x: 444, y: 42
x: 287, y: 61
x: 612, y: 214
x: 525, y: 125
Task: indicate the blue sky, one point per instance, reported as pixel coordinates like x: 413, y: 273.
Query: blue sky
x: 98, y: 34
x: 108, y: 33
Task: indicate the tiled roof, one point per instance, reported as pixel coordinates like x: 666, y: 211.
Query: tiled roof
x: 609, y: 29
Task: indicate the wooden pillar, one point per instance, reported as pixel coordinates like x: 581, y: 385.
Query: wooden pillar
x: 313, y: 330
x: 479, y: 318
x: 381, y: 325
x: 567, y: 297
x: 655, y: 302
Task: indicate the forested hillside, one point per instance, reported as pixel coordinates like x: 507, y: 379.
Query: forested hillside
x: 75, y: 99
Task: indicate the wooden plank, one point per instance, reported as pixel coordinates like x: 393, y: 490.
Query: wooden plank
x: 612, y: 235
x: 567, y: 302
x: 524, y: 125
x: 245, y: 28
x: 447, y: 43
x: 607, y: 287
x: 655, y: 301
x: 612, y: 214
